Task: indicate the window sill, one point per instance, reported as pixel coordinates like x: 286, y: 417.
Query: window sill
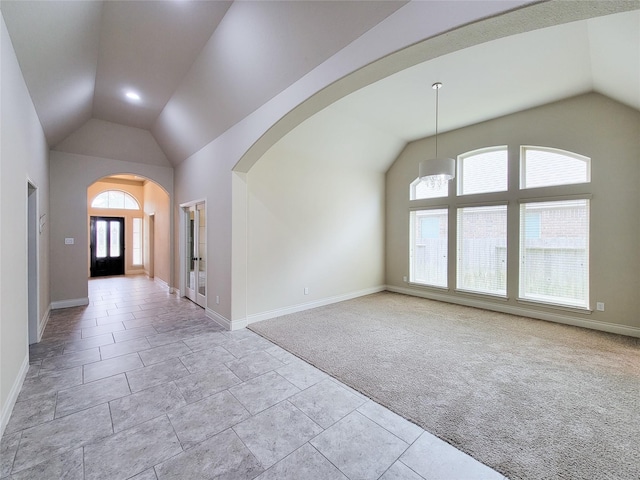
x: 492, y: 296
x: 431, y: 287
x: 554, y: 306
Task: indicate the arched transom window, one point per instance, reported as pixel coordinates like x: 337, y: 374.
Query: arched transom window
x: 115, y: 199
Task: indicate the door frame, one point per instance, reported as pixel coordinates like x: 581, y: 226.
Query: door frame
x: 33, y: 260
x: 201, y: 299
x: 150, y: 244
x: 183, y: 249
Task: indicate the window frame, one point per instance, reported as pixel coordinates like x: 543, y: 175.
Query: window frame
x: 521, y: 297
x: 512, y: 197
x: 458, y: 219
x: 557, y: 151
x: 125, y: 196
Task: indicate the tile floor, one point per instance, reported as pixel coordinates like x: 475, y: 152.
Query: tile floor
x: 141, y: 385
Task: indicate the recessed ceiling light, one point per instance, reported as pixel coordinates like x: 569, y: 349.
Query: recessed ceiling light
x: 132, y: 96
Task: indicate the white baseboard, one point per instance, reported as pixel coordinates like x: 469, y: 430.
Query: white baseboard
x: 257, y: 317
x: 224, y: 322
x: 43, y: 323
x: 74, y: 302
x: 523, y: 312
x: 162, y: 283
x: 7, y: 408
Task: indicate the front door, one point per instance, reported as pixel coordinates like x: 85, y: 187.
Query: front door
x: 107, y: 246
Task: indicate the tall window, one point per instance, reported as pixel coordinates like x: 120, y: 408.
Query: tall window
x: 115, y: 199
x: 482, y: 230
x: 552, y: 237
x: 554, y: 252
x: 137, y: 241
x: 482, y: 249
x: 429, y: 237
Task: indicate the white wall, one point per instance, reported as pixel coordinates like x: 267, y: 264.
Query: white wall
x: 71, y: 174
x: 207, y: 176
x: 23, y: 157
x: 311, y: 224
x: 210, y: 172
x: 591, y: 125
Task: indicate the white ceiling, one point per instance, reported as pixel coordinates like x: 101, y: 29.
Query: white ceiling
x: 78, y: 57
x: 148, y: 48
x: 482, y: 82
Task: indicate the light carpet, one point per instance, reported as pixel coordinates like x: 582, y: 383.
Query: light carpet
x: 529, y: 398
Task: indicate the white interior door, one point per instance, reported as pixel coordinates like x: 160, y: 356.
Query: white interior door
x: 196, y: 251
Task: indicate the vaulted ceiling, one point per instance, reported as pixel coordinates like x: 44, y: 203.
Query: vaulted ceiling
x: 212, y: 63
x: 482, y: 82
x: 80, y: 58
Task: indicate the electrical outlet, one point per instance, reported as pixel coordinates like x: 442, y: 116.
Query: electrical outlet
x: 600, y: 306
x: 217, y: 300
x: 404, y: 279
x: 306, y: 290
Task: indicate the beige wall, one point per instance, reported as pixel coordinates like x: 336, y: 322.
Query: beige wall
x: 311, y: 224
x: 153, y: 201
x: 97, y: 138
x: 23, y: 158
x: 71, y: 174
x: 591, y: 125
x: 156, y: 203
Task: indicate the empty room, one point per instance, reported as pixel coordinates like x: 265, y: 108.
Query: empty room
x: 319, y: 239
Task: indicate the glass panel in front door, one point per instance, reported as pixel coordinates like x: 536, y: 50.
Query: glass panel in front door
x: 114, y: 248
x: 101, y: 239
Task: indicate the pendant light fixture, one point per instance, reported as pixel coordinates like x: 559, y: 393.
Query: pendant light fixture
x: 436, y: 172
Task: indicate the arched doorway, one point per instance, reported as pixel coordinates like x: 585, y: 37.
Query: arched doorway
x: 129, y: 228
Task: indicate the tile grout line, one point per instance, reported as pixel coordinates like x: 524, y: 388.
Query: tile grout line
x: 13, y: 463
x: 323, y: 456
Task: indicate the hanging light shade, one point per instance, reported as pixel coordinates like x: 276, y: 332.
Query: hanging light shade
x: 436, y: 172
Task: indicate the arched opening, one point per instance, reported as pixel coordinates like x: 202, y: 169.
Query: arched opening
x: 128, y: 222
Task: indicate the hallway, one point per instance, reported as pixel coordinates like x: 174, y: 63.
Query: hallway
x: 141, y: 384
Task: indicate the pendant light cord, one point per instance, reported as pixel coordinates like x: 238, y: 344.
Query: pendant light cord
x: 436, y: 86
x: 437, y: 89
